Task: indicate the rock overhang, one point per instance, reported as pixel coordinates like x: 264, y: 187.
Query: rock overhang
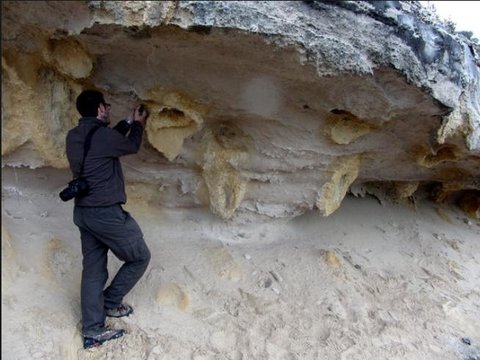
x: 314, y: 96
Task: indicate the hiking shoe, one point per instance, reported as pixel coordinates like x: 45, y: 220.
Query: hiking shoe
x: 90, y: 341
x: 119, y: 311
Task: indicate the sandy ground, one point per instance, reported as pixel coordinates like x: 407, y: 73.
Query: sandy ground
x: 371, y: 281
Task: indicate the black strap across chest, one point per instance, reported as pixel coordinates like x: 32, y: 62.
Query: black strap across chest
x: 86, y: 145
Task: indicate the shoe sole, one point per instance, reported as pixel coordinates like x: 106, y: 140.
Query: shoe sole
x: 89, y: 343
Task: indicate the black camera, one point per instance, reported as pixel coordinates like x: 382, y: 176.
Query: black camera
x: 76, y: 188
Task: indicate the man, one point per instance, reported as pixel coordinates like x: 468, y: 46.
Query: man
x: 103, y: 224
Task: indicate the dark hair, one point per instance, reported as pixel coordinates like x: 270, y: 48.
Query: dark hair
x: 89, y: 101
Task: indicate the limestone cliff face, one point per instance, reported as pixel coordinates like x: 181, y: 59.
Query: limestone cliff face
x: 257, y: 108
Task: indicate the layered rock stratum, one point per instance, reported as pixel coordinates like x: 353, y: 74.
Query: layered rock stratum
x: 258, y: 109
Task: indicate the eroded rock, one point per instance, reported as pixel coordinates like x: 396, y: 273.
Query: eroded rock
x: 174, y: 117
x: 70, y: 58
x: 302, y: 94
x: 344, y: 172
x: 226, y: 152
x: 346, y: 127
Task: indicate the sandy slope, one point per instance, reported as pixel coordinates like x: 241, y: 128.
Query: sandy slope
x: 368, y: 282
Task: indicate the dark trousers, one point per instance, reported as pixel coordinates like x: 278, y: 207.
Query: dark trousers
x: 103, y: 229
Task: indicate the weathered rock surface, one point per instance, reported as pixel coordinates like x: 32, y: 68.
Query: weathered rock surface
x: 258, y: 108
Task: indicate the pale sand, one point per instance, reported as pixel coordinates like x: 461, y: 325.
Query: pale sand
x: 369, y: 282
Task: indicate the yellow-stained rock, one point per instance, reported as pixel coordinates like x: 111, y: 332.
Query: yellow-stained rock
x: 225, y: 266
x: 70, y: 58
x: 24, y: 65
x: 173, y: 118
x: 429, y: 159
x: 404, y: 189
x: 58, y: 115
x: 344, y: 172
x: 226, y: 149
x: 39, y: 111
x: 331, y: 258
x: 172, y: 295
x: 9, y: 266
x: 456, y: 123
x: 15, y: 127
x: 346, y: 127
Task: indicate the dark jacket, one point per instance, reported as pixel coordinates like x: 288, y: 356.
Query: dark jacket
x: 102, y: 168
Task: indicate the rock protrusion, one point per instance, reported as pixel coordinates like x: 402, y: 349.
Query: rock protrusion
x: 443, y: 153
x: 226, y: 153
x: 71, y: 59
x: 346, y: 127
x: 173, y: 118
x: 37, y: 111
x: 344, y: 172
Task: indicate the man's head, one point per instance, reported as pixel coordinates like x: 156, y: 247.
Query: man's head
x: 91, y: 103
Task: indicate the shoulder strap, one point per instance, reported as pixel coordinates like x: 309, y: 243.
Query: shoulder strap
x: 86, y: 145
